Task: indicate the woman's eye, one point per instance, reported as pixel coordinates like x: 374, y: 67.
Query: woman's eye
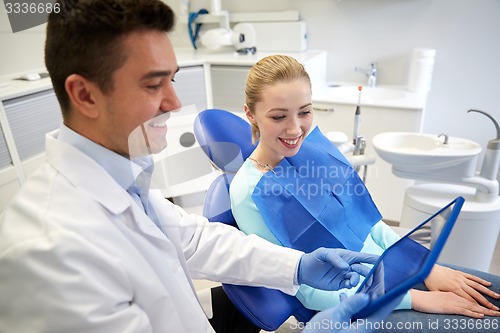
x: 278, y: 117
x: 305, y: 113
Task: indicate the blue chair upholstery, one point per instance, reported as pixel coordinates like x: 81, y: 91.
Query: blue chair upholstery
x: 224, y: 137
x: 227, y: 141
x: 217, y: 207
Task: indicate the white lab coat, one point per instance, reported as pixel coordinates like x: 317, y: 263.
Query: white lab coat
x: 77, y: 255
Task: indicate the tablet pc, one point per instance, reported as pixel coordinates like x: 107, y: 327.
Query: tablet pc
x: 442, y: 223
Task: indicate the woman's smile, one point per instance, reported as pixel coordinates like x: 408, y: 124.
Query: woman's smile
x: 291, y: 142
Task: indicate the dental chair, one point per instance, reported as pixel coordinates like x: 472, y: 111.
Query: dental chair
x: 227, y: 140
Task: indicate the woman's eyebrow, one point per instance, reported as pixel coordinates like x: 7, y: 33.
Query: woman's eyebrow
x: 277, y: 109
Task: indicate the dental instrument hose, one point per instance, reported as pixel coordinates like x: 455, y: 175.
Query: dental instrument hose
x: 491, y: 162
x: 193, y: 27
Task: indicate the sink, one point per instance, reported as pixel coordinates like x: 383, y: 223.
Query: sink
x: 368, y: 94
x: 427, y: 155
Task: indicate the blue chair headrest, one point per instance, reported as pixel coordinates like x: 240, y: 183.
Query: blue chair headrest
x: 225, y: 137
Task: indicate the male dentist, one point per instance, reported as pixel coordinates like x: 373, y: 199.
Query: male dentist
x: 86, y: 246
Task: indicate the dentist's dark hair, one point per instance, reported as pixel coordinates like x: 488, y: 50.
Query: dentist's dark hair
x: 84, y: 37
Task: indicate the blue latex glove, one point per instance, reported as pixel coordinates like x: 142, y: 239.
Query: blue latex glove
x: 338, y: 319
x: 375, y: 284
x: 333, y: 269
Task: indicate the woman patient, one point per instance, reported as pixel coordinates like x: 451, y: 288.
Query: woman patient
x: 278, y: 106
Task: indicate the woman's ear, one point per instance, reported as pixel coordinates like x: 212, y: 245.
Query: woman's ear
x: 82, y: 95
x: 249, y: 115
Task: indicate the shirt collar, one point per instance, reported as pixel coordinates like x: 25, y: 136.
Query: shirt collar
x: 121, y: 169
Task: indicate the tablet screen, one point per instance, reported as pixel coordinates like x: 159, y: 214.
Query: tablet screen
x: 406, y: 257
x: 409, y: 261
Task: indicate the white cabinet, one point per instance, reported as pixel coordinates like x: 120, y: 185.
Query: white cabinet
x: 386, y: 189
x: 25, y: 119
x: 228, y: 87
x: 190, y: 86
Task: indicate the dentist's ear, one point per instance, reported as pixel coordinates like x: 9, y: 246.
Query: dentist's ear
x: 81, y: 93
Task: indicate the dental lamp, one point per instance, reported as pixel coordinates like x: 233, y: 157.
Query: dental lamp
x: 242, y: 37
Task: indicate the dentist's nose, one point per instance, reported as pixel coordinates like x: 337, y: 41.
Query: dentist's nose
x: 170, y: 101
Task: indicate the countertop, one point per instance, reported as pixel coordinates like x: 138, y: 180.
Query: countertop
x: 229, y: 57
x: 11, y: 86
x: 405, y: 99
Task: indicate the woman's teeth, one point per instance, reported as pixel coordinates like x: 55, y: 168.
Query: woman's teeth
x: 291, y: 142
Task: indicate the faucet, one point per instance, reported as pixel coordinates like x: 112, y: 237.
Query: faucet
x: 446, y: 138
x: 370, y: 73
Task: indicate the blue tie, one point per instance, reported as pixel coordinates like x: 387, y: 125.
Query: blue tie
x: 140, y: 192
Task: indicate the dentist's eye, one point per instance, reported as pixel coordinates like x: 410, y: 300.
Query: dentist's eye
x: 154, y: 87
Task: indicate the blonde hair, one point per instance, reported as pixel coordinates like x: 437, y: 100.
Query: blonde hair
x: 267, y: 72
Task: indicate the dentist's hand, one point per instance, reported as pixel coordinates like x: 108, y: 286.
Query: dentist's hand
x: 338, y: 319
x: 333, y: 269
x: 375, y: 285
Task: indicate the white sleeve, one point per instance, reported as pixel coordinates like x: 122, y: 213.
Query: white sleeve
x: 222, y: 253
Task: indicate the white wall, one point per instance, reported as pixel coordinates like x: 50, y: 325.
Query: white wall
x: 20, y: 51
x: 465, y: 34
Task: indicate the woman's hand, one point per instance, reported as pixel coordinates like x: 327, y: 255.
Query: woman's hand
x: 446, y: 302
x: 467, y: 286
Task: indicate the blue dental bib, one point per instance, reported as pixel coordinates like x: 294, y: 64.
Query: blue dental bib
x: 316, y: 199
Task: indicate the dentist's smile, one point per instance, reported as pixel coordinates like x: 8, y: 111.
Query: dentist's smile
x: 159, y: 121
x: 162, y: 124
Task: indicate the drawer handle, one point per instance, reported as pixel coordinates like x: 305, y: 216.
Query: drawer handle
x: 328, y: 109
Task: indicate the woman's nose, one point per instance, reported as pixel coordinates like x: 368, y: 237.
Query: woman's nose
x: 293, y: 126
